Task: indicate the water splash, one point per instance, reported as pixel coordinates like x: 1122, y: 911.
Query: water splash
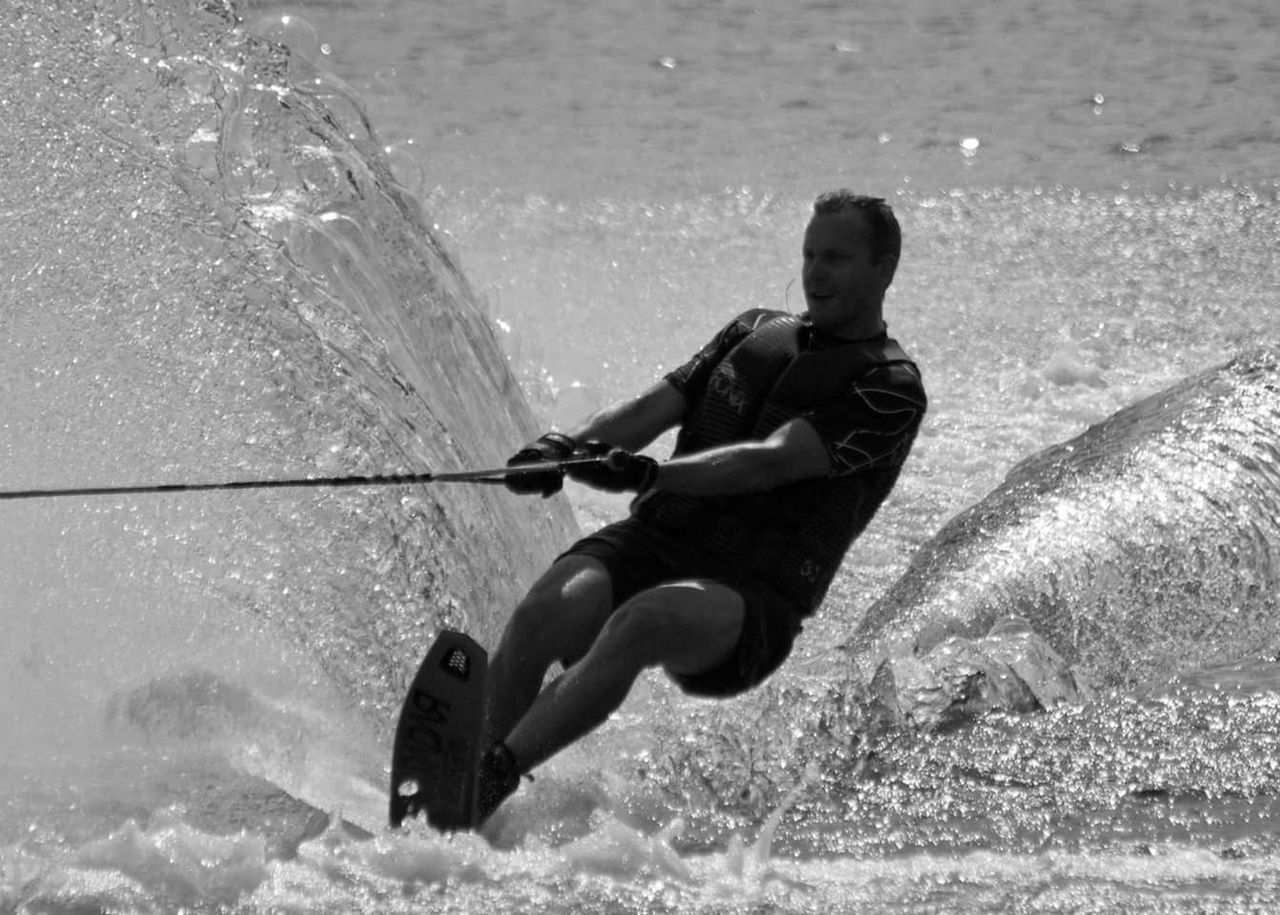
x: 959, y: 680
x: 216, y: 276
x: 222, y: 278
x: 1145, y: 546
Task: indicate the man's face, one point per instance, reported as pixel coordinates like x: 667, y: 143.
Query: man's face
x: 842, y: 278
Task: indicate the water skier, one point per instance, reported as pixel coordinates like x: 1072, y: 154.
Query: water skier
x: 792, y: 431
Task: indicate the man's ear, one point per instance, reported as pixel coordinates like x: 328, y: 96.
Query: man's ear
x: 887, y: 265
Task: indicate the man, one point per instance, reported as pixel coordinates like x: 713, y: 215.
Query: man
x: 793, y: 431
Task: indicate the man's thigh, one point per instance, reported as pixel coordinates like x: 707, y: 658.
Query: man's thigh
x: 692, y: 625
x: 563, y: 611
x: 574, y: 580
x: 768, y: 625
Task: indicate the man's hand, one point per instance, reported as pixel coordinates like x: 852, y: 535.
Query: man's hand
x: 615, y: 470
x: 548, y: 448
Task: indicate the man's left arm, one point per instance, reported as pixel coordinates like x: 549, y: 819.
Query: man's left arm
x: 871, y: 427
x: 794, y: 451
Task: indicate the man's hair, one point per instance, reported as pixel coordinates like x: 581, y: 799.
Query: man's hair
x: 886, y: 235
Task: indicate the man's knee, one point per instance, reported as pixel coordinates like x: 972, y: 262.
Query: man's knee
x: 564, y: 607
x: 642, y: 629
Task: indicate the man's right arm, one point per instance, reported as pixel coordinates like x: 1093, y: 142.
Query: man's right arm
x: 635, y: 423
x: 632, y: 424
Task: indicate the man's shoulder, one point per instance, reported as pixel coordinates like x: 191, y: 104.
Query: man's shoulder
x: 898, y: 363
x: 899, y: 376
x: 755, y: 318
x: 691, y: 377
x: 743, y: 326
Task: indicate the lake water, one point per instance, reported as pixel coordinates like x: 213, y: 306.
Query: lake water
x: 208, y: 257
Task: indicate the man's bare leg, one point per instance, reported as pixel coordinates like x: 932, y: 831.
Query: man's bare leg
x: 560, y: 617
x: 688, y: 627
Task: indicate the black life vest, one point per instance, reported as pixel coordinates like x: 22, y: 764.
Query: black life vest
x: 794, y: 536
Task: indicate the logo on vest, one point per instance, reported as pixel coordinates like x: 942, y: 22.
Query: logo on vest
x: 726, y: 385
x: 810, y: 571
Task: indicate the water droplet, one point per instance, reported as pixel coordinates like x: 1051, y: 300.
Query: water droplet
x: 292, y: 31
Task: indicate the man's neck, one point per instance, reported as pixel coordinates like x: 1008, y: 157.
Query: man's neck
x: 869, y: 331
x: 858, y: 333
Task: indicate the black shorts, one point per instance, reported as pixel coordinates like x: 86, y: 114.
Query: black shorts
x: 638, y: 557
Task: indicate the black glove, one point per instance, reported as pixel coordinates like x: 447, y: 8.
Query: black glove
x: 547, y: 449
x: 616, y: 470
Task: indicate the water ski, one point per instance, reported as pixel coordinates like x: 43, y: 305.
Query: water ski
x: 438, y: 736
